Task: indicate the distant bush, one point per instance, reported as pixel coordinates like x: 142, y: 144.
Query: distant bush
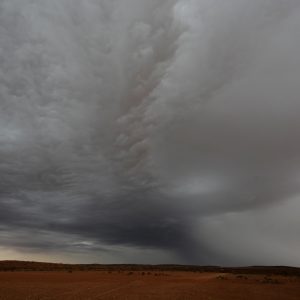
x: 269, y: 280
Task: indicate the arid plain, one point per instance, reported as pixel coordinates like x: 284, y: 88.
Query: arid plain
x: 41, y: 282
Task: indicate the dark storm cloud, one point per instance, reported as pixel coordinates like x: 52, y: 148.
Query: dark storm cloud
x: 134, y: 126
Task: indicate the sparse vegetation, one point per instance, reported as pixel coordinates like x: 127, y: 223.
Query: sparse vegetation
x: 148, y: 269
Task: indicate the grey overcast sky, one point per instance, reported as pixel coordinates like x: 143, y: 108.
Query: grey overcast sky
x: 150, y: 131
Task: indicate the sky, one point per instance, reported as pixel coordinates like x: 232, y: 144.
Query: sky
x: 150, y: 131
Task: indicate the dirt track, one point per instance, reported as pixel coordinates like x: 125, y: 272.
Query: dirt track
x: 145, y: 285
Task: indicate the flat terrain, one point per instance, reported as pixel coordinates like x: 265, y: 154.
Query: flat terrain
x: 145, y: 284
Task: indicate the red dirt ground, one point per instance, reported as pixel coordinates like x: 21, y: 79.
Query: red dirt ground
x: 85, y: 285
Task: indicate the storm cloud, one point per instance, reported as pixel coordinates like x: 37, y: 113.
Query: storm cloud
x: 150, y: 131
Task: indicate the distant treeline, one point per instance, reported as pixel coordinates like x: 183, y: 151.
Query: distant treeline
x: 41, y: 266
